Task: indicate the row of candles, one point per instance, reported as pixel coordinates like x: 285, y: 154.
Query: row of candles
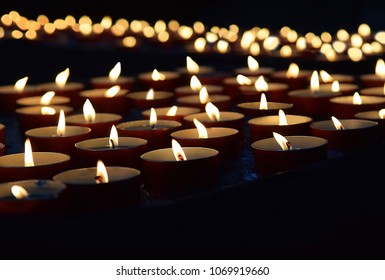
x: 139, y: 151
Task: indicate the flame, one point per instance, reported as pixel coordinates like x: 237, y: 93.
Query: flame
x: 28, y: 156
x: 20, y: 84
x: 89, y: 111
x: 203, y: 96
x: 61, y: 125
x: 192, y: 66
x: 282, y: 117
x: 314, y: 82
x: 115, y: 72
x: 178, y: 151
x: 380, y: 68
x: 292, y: 71
x: 337, y: 124
x: 261, y: 85
x: 243, y: 80
x: 263, y: 102
x: 357, y: 99
x: 381, y: 113
x: 112, y: 91
x: 252, y: 63
x: 153, y: 118
x: 202, y: 131
x: 325, y: 76
x: 101, y: 173
x: 61, y: 78
x: 172, y: 111
x: 19, y: 192
x: 47, y: 98
x: 195, y: 84
x: 113, y: 141
x: 150, y: 95
x: 47, y: 111
x: 282, y: 141
x: 157, y: 76
x: 335, y: 86
x: 212, y: 111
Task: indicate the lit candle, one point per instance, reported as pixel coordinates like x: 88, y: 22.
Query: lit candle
x: 160, y: 80
x: 150, y: 98
x: 374, y: 91
x: 293, y: 77
x: 175, y: 113
x: 376, y: 116
x: 376, y: 79
x: 177, y: 171
x: 47, y: 99
x: 114, y: 78
x: 195, y: 86
x: 326, y: 78
x: 253, y: 69
x: 232, y: 85
x: 337, y: 87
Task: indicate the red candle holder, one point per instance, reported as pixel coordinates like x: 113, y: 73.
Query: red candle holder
x: 9, y: 96
x: 343, y: 106
x: 344, y: 89
x: 232, y: 85
x: 139, y: 99
x: 169, y: 113
x: 36, y: 101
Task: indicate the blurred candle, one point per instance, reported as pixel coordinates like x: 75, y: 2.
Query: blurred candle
x: 160, y: 80
x: 150, y: 98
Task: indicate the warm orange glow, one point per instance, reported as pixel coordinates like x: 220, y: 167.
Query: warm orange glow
x: 172, y: 111
x: 178, y: 151
x: 202, y: 131
x: 255, y: 49
x: 247, y: 39
x: 47, y: 98
x: 112, y: 91
x: 106, y: 22
x: 261, y: 85
x: 212, y: 111
x: 316, y: 42
x: 301, y: 44
x: 343, y: 35
x: 113, y: 141
x: 185, y: 32
x: 19, y: 192
x: 271, y: 43
x: 380, y: 37
x: 47, y: 110
x: 381, y: 113
x: 356, y: 41
x: 331, y: 55
x: 200, y: 44
x: 335, y: 86
x: 101, y: 173
x: 282, y: 141
x: 243, y: 80
x: 292, y: 36
x: 326, y: 77
x: 282, y: 118
x: 129, y: 41
x: 357, y: 99
x: 61, y: 78
x: 28, y: 155
x: 163, y: 36
x: 337, y: 124
x: 263, y: 102
x: 292, y: 71
x: 339, y: 46
x: 192, y: 66
x: 285, y: 51
x: 203, y: 95
x: 380, y: 68
x: 115, y: 72
x: 157, y: 76
x: 61, y: 125
x: 355, y: 54
x: 195, y: 84
x: 314, y: 82
x: 252, y: 63
x: 20, y: 84
x: 89, y: 111
x: 150, y: 94
x: 153, y: 118
x: 160, y: 25
x: 222, y: 46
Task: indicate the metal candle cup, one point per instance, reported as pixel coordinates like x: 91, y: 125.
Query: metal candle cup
x: 343, y: 107
x: 138, y: 99
x: 373, y: 91
x: 371, y: 80
x: 116, y: 104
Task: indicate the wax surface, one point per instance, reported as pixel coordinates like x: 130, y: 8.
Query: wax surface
x: 102, y: 144
x: 167, y: 155
x: 50, y: 131
x: 40, y: 158
x: 297, y: 142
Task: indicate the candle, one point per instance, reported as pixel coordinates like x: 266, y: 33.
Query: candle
x: 195, y: 86
x: 47, y: 99
x: 151, y: 98
x: 156, y: 132
x: 262, y: 127
x: 160, y: 80
x: 113, y: 150
x: 374, y: 80
x: 275, y: 91
x: 100, y: 188
x: 253, y: 69
x: 348, y: 106
x: 232, y: 85
x: 335, y: 86
x: 175, y: 113
x: 110, y: 100
x: 326, y: 78
x: 177, y: 171
x: 223, y: 139
x: 281, y: 154
x: 30, y: 197
x: 346, y: 135
x: 374, y: 91
x: 293, y: 77
x: 114, y: 78
x: 32, y: 165
x: 374, y: 115
x: 100, y: 123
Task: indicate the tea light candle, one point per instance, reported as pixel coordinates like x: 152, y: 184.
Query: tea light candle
x: 160, y: 80
x: 346, y: 135
x: 156, y: 132
x: 195, y: 86
x: 110, y: 100
x: 114, y: 78
x: 253, y: 69
x: 179, y: 171
x: 374, y: 80
x: 32, y: 165
x: 293, y: 77
x: 374, y: 91
x: 113, y: 150
x: 232, y: 85
x: 262, y: 127
x: 30, y: 197
x: 348, y: 106
x: 326, y: 78
x: 100, y: 123
x: 100, y: 188
x: 47, y: 99
x: 151, y: 98
x: 344, y: 89
x: 281, y: 154
x: 174, y: 113
x: 377, y: 116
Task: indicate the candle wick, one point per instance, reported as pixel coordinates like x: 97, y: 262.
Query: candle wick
x: 289, y: 145
x: 98, y: 179
x: 112, y: 143
x: 181, y: 157
x: 152, y: 126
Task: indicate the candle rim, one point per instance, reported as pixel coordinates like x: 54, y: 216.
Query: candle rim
x: 148, y: 111
x: 46, y: 86
x: 56, y: 100
x: 84, y: 130
x: 99, y: 118
x: 9, y: 89
x: 364, y: 98
x: 290, y: 118
x: 259, y: 144
x: 187, y: 150
x: 255, y: 105
x: 37, y: 156
x: 232, y: 131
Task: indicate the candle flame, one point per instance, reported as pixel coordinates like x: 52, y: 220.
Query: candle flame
x: 252, y: 63
x: 357, y: 99
x: 282, y: 117
x: 153, y: 118
x: 47, y: 110
x: 380, y: 68
x: 172, y: 111
x: 101, y: 173
x: 212, y: 111
x: 195, y: 84
x: 47, y: 98
x: 62, y: 77
x: 150, y: 95
x: 28, y: 156
x: 381, y: 113
x: 243, y: 80
x: 157, y: 76
x: 178, y: 151
x: 192, y: 66
x: 89, y: 111
x: 61, y: 125
x: 335, y: 86
x: 202, y: 131
x: 112, y: 91
x: 19, y: 192
x: 203, y: 95
x: 20, y: 84
x: 337, y: 124
x: 314, y: 82
x: 325, y: 76
x: 113, y: 141
x: 292, y: 71
x: 263, y: 102
x: 114, y: 73
x: 282, y: 141
x: 261, y: 85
